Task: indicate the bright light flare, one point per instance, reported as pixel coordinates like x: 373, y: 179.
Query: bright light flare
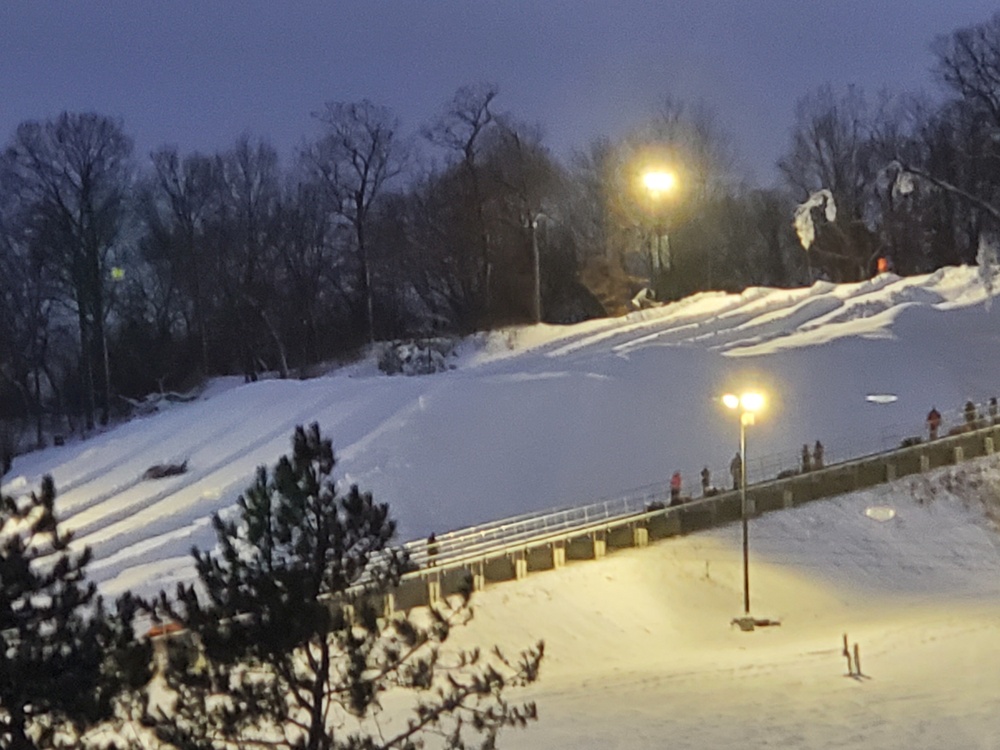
x: 750, y: 402
x: 659, y: 182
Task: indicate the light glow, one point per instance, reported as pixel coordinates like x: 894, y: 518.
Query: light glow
x: 659, y: 181
x: 750, y: 402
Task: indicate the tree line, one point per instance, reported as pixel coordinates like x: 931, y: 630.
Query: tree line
x: 120, y: 276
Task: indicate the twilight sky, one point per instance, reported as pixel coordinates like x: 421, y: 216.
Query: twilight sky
x: 199, y: 73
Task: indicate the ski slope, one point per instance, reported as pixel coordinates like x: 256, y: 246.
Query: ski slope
x: 640, y: 652
x: 544, y: 416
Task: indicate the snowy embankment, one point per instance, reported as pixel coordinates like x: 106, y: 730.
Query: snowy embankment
x: 545, y: 416
x: 640, y: 650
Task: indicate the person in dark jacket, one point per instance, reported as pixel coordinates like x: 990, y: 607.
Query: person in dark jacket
x: 736, y: 470
x: 933, y: 423
x: 706, y: 481
x: 818, y: 455
x: 432, y: 551
x: 970, y: 414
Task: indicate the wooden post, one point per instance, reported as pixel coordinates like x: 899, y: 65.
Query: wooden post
x: 857, y: 660
x: 433, y: 590
x: 520, y: 565
x: 600, y: 546
x: 559, y: 555
x: 640, y: 536
x: 847, y: 653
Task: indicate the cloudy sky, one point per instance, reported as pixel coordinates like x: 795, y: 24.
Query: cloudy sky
x: 198, y: 74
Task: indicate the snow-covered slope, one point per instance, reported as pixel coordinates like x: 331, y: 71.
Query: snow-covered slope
x: 640, y: 652
x: 546, y: 416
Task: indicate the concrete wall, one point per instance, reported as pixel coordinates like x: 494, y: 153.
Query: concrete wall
x: 697, y: 515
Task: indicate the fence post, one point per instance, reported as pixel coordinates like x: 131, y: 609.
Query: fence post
x: 520, y: 565
x: 640, y: 536
x: 600, y: 545
x: 559, y: 554
x: 433, y: 590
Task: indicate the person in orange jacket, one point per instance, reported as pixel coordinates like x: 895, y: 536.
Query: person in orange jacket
x: 675, y: 488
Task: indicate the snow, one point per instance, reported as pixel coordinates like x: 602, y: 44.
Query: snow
x: 640, y: 646
x: 805, y: 229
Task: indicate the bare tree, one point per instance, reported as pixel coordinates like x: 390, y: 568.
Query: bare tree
x: 359, y: 152
x: 72, y: 175
x: 178, y: 204
x: 968, y: 61
x: 462, y: 128
x: 523, y: 188
x: 244, y: 227
x: 313, y: 257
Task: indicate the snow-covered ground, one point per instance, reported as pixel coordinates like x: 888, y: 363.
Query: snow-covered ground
x: 640, y: 649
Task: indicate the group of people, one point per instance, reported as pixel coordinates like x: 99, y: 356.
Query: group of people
x: 813, y: 461
x: 707, y: 490
x: 973, y: 418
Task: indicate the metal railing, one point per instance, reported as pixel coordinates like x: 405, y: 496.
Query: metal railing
x: 483, y: 540
x: 458, y: 548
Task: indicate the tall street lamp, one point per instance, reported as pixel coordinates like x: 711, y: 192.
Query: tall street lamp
x: 536, y: 302
x: 658, y: 184
x: 748, y: 404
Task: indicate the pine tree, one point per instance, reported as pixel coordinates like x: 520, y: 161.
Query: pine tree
x: 64, y: 661
x: 287, y: 645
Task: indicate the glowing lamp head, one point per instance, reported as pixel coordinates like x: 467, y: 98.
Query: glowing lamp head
x: 749, y: 402
x: 659, y: 182
x: 752, y: 402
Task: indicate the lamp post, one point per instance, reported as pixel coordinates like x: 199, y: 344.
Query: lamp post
x: 536, y: 262
x: 748, y: 404
x: 659, y: 183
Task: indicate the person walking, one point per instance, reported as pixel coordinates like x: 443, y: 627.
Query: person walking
x: 736, y: 470
x: 818, y: 455
x: 933, y: 423
x: 806, y: 458
x: 675, y: 488
x: 706, y: 482
x: 432, y: 551
x: 993, y: 409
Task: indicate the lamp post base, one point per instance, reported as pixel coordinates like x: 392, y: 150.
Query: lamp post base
x: 744, y: 623
x: 748, y: 623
